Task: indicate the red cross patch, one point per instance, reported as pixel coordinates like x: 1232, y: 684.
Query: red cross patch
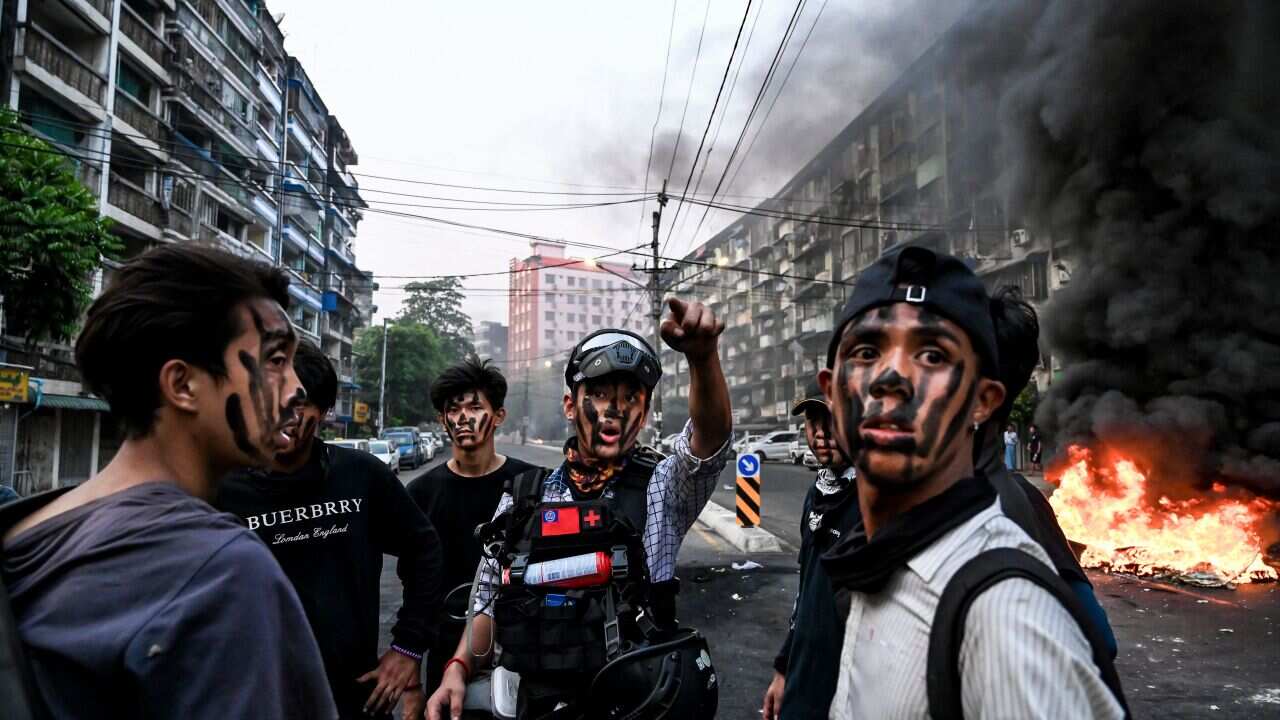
x: 591, y: 519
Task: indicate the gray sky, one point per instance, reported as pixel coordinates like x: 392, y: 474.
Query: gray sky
x: 562, y: 96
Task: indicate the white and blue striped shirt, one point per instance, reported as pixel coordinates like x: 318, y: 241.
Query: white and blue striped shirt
x: 1023, y: 656
x: 679, y: 488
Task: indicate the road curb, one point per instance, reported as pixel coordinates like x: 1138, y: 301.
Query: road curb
x: 748, y: 540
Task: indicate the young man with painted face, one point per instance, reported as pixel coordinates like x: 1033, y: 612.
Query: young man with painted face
x: 329, y: 514
x: 462, y: 493
x: 133, y: 597
x: 804, y: 677
x: 912, y: 374
x: 611, y: 377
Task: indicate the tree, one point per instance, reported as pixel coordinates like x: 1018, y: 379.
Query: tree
x: 51, y: 238
x: 438, y: 305
x: 415, y: 356
x: 1023, y: 412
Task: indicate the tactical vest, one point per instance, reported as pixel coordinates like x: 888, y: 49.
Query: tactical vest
x: 552, y: 632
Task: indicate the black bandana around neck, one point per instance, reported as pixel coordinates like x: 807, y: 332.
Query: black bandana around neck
x: 860, y: 565
x: 587, y: 476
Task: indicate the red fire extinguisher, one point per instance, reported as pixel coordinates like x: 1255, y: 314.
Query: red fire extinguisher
x: 578, y: 571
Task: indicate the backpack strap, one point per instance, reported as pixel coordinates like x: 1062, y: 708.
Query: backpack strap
x: 1015, y: 505
x: 525, y: 489
x: 947, y: 633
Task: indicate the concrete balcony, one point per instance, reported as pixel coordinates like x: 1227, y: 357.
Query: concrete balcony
x: 134, y: 207
x: 305, y: 240
x: 302, y: 288
x: 56, y: 66
x: 146, y: 39
x: 144, y: 127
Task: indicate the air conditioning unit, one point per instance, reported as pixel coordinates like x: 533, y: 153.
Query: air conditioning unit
x: 1020, y: 237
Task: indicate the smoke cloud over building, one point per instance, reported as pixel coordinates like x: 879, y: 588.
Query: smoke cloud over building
x: 1145, y: 133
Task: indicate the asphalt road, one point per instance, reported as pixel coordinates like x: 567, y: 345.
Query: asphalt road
x: 1184, y: 652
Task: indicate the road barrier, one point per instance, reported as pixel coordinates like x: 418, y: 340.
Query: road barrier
x: 748, y: 491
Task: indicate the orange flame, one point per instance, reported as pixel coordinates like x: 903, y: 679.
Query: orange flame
x: 1214, y: 540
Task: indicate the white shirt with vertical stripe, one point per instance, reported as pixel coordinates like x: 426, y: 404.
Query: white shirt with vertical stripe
x: 1023, y: 656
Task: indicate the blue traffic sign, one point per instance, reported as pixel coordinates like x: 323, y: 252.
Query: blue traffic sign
x: 748, y: 465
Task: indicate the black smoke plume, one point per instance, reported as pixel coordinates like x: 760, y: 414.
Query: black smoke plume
x: 1144, y: 135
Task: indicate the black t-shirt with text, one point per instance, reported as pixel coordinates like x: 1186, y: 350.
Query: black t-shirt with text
x: 329, y: 526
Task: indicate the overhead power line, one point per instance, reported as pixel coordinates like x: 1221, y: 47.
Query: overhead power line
x: 710, y: 118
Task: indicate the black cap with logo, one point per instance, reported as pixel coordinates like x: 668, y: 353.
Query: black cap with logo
x: 942, y: 283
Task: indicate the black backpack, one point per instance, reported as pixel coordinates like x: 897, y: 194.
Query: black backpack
x: 947, y: 633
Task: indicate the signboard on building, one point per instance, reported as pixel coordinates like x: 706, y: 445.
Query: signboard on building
x: 14, y: 384
x: 362, y: 412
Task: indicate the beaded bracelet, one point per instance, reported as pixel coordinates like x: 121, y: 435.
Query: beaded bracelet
x: 466, y: 671
x: 407, y: 653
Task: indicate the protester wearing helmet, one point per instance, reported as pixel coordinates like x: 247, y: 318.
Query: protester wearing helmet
x: 603, y: 642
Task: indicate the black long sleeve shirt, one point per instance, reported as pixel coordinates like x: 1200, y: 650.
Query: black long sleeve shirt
x: 329, y: 525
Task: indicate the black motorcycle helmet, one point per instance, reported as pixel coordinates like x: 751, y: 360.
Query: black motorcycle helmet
x: 609, y: 351
x: 671, y: 679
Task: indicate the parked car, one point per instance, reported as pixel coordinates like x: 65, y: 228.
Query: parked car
x: 428, y: 446
x: 747, y: 438
x: 809, y: 460
x: 433, y: 440
x: 774, y: 446
x: 406, y: 441
x: 362, y: 445
x: 387, y: 453
x: 796, y: 451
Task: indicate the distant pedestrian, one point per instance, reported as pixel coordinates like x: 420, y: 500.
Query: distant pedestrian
x: 1010, y: 447
x: 133, y: 597
x: 1034, y: 448
x: 912, y: 374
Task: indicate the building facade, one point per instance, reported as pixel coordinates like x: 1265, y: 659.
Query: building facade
x: 910, y: 169
x: 491, y: 341
x: 557, y: 300
x: 190, y: 122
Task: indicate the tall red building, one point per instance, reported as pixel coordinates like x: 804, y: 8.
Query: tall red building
x: 556, y: 300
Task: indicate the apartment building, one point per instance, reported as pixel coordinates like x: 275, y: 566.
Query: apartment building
x: 557, y: 300
x: 908, y: 170
x: 491, y: 341
x: 183, y: 117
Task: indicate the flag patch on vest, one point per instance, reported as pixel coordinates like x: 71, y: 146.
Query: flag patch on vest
x: 560, y: 521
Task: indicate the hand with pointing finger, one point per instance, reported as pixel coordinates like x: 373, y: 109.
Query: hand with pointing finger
x: 691, y: 328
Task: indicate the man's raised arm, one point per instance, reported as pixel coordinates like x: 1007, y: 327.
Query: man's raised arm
x: 692, y: 329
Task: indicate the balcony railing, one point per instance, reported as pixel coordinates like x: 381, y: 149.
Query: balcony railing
x: 133, y: 200
x: 139, y: 116
x: 102, y: 6
x: 142, y: 34
x: 40, y: 47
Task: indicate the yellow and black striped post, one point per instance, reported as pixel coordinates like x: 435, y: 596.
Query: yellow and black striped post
x: 748, y: 491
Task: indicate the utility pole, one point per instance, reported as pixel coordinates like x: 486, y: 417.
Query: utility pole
x: 382, y: 380
x: 655, y: 294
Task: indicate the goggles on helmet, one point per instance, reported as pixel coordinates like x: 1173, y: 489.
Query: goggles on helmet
x: 610, y: 351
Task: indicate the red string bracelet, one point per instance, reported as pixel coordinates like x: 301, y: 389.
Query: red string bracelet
x: 466, y: 671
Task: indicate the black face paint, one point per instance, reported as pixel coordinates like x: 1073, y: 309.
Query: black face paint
x: 269, y: 410
x: 239, y: 431
x: 931, y: 439
x: 466, y: 421
x: 626, y: 415
x: 851, y: 413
